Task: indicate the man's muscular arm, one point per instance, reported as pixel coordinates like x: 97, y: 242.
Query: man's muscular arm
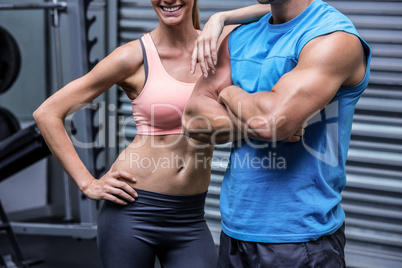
x: 204, y: 118
x: 325, y: 64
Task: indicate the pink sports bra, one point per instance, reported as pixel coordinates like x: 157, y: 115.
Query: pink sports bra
x: 159, y: 107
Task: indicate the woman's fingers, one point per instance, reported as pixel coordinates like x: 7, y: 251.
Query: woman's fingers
x: 115, y: 199
x: 121, y: 194
x: 214, y: 52
x: 194, y: 59
x: 205, y: 52
x: 119, y: 187
x: 123, y: 174
x: 201, y: 58
x: 128, y: 192
x: 208, y: 58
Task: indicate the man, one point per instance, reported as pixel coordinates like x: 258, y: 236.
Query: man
x: 280, y: 202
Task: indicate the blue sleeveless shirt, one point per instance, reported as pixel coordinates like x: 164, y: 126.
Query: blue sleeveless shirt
x: 288, y: 192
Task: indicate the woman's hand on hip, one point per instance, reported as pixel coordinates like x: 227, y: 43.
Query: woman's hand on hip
x: 110, y: 187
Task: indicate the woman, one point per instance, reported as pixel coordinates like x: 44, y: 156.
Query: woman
x: 163, y: 215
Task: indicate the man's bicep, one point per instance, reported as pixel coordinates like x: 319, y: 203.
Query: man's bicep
x: 299, y: 94
x: 339, y: 57
x: 322, y: 69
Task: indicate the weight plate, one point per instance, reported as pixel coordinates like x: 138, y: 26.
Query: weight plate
x: 10, y: 60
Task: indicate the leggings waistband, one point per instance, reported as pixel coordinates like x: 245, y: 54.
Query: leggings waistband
x: 169, y: 200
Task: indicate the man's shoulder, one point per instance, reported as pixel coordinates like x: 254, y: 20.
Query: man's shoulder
x: 249, y: 33
x: 252, y: 27
x: 325, y: 16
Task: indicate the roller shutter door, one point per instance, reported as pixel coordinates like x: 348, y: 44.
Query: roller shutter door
x: 372, y: 199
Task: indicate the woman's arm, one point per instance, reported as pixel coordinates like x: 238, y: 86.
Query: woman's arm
x: 51, y: 114
x: 207, y: 44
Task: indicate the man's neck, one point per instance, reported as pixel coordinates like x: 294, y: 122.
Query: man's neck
x: 287, y: 10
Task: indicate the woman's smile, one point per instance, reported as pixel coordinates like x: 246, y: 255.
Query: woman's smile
x: 171, y: 10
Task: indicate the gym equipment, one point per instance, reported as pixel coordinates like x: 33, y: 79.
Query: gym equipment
x: 10, y: 60
x: 8, y: 124
x: 46, y: 5
x: 21, y: 150
x: 5, y: 225
x: 26, y: 144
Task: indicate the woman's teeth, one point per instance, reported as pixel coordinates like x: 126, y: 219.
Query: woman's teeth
x: 171, y: 9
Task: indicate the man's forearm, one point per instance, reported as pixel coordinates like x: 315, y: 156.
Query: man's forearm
x: 207, y: 120
x: 254, y: 118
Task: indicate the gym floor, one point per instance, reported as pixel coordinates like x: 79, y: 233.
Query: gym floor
x: 56, y: 252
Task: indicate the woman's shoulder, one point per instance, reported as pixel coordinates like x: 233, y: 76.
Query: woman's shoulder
x: 129, y: 54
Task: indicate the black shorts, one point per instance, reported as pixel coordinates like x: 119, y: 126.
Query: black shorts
x: 326, y: 252
x: 168, y: 226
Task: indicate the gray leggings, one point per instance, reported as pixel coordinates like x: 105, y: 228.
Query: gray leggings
x: 170, y: 227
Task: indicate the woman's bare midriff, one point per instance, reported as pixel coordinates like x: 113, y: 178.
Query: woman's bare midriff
x: 171, y: 164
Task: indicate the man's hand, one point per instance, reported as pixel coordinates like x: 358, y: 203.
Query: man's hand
x: 296, y: 136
